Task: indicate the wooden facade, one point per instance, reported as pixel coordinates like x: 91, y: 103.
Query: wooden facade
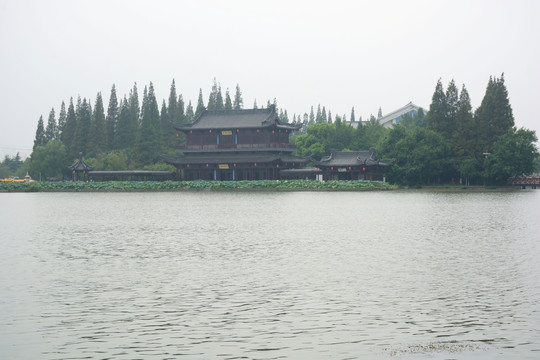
x: 230, y: 145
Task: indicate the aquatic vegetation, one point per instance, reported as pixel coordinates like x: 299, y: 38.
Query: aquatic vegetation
x: 270, y: 185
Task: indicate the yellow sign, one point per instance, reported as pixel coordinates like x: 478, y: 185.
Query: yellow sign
x: 223, y: 166
x: 226, y: 132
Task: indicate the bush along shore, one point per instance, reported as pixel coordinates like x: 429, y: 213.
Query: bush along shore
x: 271, y: 185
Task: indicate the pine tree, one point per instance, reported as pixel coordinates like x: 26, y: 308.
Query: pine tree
x: 438, y: 110
x: 228, y: 103
x: 40, y: 139
x: 166, y: 127
x: 323, y: 115
x: 318, y: 117
x: 180, y: 110
x: 134, y: 108
x: 61, y: 121
x: 353, y: 118
x: 452, y: 99
x: 238, y: 101
x: 190, y: 115
x: 219, y: 99
x: 126, y: 130
x: 200, y: 105
x: 69, y: 129
x: 84, y: 120
x: 329, y: 117
x: 311, y: 117
x: 464, y: 135
x: 97, y: 141
x: 494, y: 117
x: 149, y: 142
x: 172, y: 109
x: 212, y: 98
x: 379, y: 113
x: 51, y: 129
x: 112, y: 118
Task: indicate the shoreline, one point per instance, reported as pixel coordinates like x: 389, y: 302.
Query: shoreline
x: 238, y: 186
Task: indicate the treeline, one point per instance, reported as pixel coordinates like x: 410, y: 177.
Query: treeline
x: 450, y: 144
x: 130, y: 133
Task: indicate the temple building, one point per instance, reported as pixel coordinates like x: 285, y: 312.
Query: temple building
x: 251, y: 144
x: 352, y: 165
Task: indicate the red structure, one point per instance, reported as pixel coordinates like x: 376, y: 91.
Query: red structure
x: 236, y: 145
x: 525, y: 181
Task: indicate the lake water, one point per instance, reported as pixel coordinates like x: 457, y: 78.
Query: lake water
x: 291, y: 275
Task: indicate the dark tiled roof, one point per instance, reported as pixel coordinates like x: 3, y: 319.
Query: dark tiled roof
x: 80, y: 165
x: 222, y: 158
x: 236, y: 119
x: 351, y: 158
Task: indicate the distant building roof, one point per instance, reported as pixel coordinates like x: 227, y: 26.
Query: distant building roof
x: 237, y: 119
x: 395, y: 116
x: 352, y: 158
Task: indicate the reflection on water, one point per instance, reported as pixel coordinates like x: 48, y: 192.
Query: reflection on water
x: 270, y: 275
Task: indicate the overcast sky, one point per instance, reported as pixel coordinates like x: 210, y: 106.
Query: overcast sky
x: 340, y: 54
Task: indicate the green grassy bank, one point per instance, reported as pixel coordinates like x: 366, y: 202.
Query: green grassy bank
x: 277, y: 185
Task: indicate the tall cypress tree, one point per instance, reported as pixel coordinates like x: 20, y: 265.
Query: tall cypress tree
x: 126, y: 131
x: 97, y: 141
x: 51, y: 129
x: 438, y: 110
x: 180, y: 110
x: 134, y: 108
x: 212, y: 98
x: 200, y: 105
x: 190, y: 115
x: 149, y: 142
x: 39, y: 139
x: 464, y: 136
x: 228, y: 102
x: 112, y: 118
x: 323, y: 115
x: 318, y: 117
x: 69, y: 129
x: 353, y: 118
x: 172, y: 108
x: 238, y: 101
x: 84, y: 120
x: 494, y: 117
x: 219, y: 99
x: 61, y: 121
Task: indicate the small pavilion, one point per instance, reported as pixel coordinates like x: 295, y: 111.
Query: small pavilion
x: 353, y: 165
x: 79, y: 167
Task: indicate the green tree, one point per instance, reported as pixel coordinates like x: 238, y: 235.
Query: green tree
x: 228, y: 102
x: 190, y: 115
x: 464, y: 135
x: 149, y: 142
x: 111, y: 120
x: 62, y: 116
x: 126, y: 129
x: 51, y: 130
x: 238, y: 102
x: 39, y: 139
x: 49, y: 160
x: 84, y: 121
x: 69, y: 130
x: 219, y: 99
x: 181, y: 110
x: 494, y: 117
x: 438, y: 110
x: 212, y: 98
x: 514, y: 154
x: 353, y: 118
x: 200, y: 105
x: 97, y: 141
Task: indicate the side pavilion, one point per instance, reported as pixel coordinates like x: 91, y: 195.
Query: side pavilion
x: 353, y: 165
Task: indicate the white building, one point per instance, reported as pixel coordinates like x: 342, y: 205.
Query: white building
x: 396, y: 116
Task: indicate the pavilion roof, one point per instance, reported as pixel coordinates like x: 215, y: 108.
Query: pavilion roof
x: 237, y: 119
x: 352, y: 158
x: 80, y: 165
